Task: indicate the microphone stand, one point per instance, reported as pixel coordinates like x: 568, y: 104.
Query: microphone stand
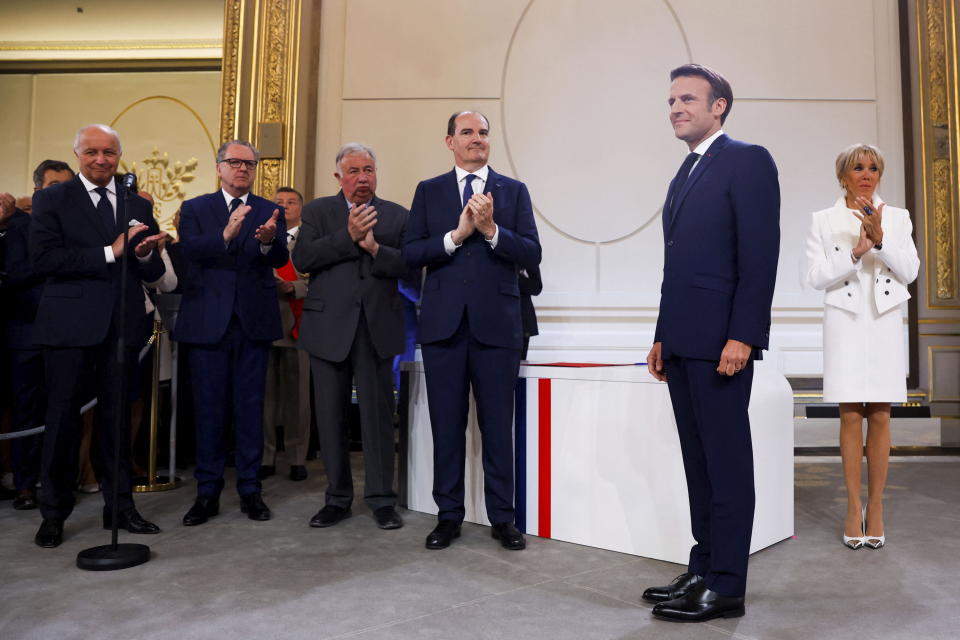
x: 115, y: 556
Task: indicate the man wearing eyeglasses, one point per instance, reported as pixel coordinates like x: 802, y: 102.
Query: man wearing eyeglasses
x: 229, y: 316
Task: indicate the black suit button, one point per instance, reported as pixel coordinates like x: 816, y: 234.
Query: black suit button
x: 849, y: 295
x: 886, y: 293
x: 846, y: 282
x: 836, y: 248
x: 362, y: 276
x: 888, y: 280
x: 468, y: 253
x: 878, y: 279
x: 670, y: 243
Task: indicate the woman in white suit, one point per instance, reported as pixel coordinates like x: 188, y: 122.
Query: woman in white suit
x: 861, y: 253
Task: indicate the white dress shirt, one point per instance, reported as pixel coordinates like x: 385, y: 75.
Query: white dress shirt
x: 112, y: 197
x: 702, y: 148
x: 479, y: 186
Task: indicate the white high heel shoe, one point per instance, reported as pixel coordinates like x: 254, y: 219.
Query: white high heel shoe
x: 874, y: 542
x: 855, y: 542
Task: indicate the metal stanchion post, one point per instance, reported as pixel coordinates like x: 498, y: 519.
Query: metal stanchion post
x: 153, y: 482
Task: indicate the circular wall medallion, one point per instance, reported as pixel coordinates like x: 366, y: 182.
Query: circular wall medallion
x: 585, y: 114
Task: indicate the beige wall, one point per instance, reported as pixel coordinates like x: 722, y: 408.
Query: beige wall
x: 110, y: 29
x: 576, y: 93
x: 175, y: 113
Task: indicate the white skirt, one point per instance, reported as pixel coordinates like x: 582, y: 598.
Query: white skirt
x: 863, y: 353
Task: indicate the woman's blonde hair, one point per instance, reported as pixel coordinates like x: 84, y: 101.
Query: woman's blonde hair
x: 851, y: 155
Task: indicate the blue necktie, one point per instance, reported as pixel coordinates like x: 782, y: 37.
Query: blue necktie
x: 236, y: 202
x: 105, y: 209
x: 681, y: 178
x: 468, y: 188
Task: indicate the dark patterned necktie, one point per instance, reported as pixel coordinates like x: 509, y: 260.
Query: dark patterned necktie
x: 236, y: 202
x: 468, y: 188
x: 105, y: 209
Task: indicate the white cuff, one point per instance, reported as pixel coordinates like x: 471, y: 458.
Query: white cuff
x: 108, y: 253
x: 144, y: 258
x: 264, y: 249
x: 448, y: 244
x: 496, y: 236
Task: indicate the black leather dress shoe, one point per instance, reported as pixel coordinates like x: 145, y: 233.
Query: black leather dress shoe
x: 509, y: 536
x: 699, y: 605
x: 204, y: 508
x: 265, y: 471
x: 131, y: 520
x: 443, y: 534
x: 26, y: 499
x: 329, y: 516
x: 680, y: 587
x: 252, y: 504
x: 298, y: 472
x: 387, y: 518
x: 50, y: 534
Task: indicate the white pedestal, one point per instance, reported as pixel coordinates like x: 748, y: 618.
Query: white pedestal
x: 598, y: 459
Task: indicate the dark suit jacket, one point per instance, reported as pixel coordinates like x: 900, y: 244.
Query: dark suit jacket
x: 722, y: 240
x: 344, y: 278
x: 476, y: 279
x: 22, y: 287
x: 82, y: 292
x: 225, y: 279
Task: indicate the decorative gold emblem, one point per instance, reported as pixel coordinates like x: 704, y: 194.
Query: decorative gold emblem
x: 164, y: 181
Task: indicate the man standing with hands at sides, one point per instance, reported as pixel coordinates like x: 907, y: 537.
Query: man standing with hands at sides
x: 721, y: 227
x: 473, y: 229
x: 352, y: 327
x: 76, y: 244
x: 287, y: 398
x: 229, y: 316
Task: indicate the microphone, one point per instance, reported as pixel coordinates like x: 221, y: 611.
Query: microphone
x: 129, y: 182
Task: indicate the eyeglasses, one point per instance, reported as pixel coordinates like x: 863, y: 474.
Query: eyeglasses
x: 236, y: 163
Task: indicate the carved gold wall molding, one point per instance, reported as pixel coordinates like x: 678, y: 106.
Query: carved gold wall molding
x: 939, y: 140
x: 261, y: 84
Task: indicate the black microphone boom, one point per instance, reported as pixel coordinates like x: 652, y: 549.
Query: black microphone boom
x: 130, y: 182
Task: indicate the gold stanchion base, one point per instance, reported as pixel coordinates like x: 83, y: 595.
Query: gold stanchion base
x: 161, y: 483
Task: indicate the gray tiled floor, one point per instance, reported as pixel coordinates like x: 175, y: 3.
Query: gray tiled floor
x: 236, y: 578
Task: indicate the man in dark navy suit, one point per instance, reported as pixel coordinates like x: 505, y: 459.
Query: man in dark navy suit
x: 473, y: 229
x: 76, y: 245
x: 233, y: 240
x: 721, y: 227
x: 21, y: 292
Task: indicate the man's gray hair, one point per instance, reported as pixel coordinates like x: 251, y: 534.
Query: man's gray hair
x: 355, y: 149
x: 102, y: 127
x: 222, y: 151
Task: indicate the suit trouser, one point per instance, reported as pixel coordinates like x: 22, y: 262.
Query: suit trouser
x: 452, y: 367
x: 332, y: 390
x: 714, y: 430
x: 27, y: 412
x: 65, y: 369
x: 287, y: 403
x: 232, y: 370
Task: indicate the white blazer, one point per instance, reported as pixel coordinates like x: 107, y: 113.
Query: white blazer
x: 833, y: 235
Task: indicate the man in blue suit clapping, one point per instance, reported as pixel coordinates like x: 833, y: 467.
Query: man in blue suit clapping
x: 473, y: 230
x: 229, y: 316
x: 721, y: 228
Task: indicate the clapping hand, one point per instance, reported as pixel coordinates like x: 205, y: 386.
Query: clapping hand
x: 360, y: 221
x: 117, y: 246
x: 872, y: 223
x: 482, y: 207
x: 148, y: 244
x: 266, y: 232
x: 234, y: 222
